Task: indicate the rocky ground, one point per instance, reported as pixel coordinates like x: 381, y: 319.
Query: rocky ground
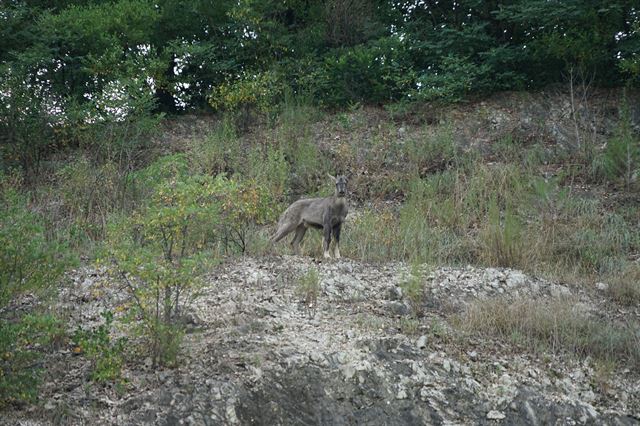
x: 255, y: 353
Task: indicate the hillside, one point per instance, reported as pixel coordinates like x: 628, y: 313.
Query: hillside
x: 489, y: 275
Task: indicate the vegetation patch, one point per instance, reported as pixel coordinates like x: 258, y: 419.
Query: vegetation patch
x: 557, y: 326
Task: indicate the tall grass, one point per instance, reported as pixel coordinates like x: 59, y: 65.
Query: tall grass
x: 556, y: 326
x: 495, y: 215
x: 294, y: 137
x: 219, y: 152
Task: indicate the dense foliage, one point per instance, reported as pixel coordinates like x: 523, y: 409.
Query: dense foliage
x: 70, y: 64
x: 104, y: 53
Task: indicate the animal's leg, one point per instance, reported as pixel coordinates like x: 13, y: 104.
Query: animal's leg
x: 326, y: 241
x: 295, y: 243
x: 336, y: 237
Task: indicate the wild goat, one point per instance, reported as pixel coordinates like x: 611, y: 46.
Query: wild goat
x: 326, y: 213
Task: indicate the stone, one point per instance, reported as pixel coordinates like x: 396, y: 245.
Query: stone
x: 397, y: 308
x: 516, y: 279
x: 393, y: 293
x: 495, y: 415
x: 402, y: 393
x: 316, y: 357
x: 230, y: 413
x: 421, y: 343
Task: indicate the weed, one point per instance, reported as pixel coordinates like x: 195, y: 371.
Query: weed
x: 603, y: 371
x: 219, y: 152
x: 624, y: 287
x: 438, y: 329
x: 308, y: 289
x: 409, y: 326
x: 370, y: 322
x: 413, y: 290
x: 501, y: 238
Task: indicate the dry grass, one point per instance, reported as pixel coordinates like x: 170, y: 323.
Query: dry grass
x: 558, y: 325
x: 624, y: 288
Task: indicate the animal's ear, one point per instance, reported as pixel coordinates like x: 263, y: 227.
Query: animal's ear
x: 332, y: 177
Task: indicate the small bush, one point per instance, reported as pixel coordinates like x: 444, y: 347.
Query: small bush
x: 262, y: 90
x: 456, y: 77
x: 501, y: 238
x: 413, y: 290
x: 621, y: 159
x: 245, y: 204
x: 162, y: 248
x: 89, y: 194
x: 106, y: 354
x: 23, y: 341
x: 160, y: 253
x: 308, y: 290
x: 28, y: 260
x: 409, y: 325
x: 268, y: 166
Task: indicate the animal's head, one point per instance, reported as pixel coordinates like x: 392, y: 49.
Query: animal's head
x: 341, y: 185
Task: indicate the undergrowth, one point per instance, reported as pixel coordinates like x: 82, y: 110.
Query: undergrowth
x: 558, y: 326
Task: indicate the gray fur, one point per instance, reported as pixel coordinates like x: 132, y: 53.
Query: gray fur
x: 326, y: 213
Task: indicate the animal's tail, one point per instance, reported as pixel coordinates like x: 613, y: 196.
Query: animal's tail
x: 286, y: 219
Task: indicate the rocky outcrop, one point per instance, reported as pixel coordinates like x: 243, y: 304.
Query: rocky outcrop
x: 255, y: 354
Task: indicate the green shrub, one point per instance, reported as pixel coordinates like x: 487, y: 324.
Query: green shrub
x: 261, y: 90
x: 456, y: 77
x: 245, y: 204
x: 106, y: 354
x: 621, y: 159
x: 159, y: 253
x: 89, y: 194
x: 23, y: 342
x: 166, y: 168
x: 28, y: 260
x: 162, y: 249
x: 413, y: 290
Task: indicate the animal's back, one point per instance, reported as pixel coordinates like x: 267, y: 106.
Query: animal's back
x: 293, y: 212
